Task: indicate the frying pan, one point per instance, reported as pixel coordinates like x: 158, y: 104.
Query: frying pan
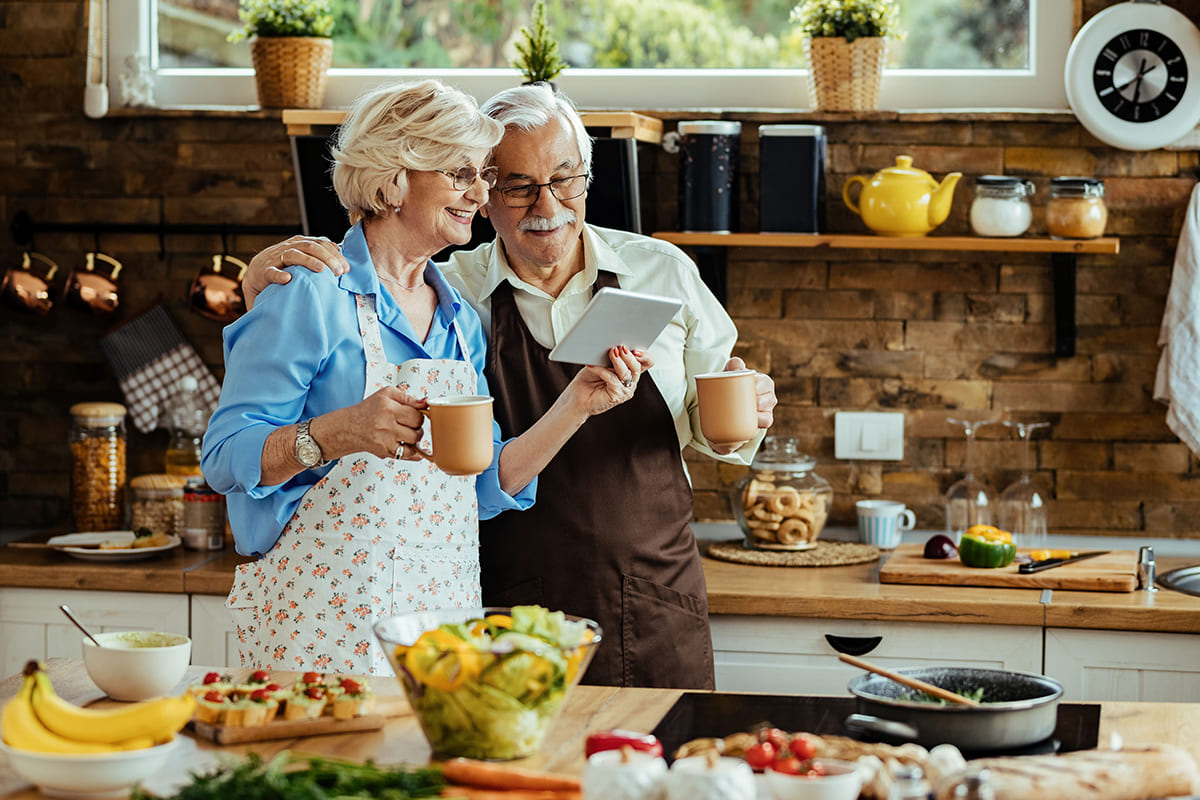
x: 1018, y: 708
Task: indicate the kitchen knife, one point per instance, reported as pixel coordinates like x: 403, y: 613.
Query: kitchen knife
x: 1051, y: 563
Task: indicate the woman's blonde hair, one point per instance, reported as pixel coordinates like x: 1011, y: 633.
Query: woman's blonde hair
x: 424, y: 125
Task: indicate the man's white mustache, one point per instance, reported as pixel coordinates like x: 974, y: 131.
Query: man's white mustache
x: 564, y: 217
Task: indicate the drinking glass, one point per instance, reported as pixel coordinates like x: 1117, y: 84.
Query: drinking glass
x: 968, y: 500
x: 1022, y: 507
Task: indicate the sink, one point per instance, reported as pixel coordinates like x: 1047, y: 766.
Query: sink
x: 1186, y: 580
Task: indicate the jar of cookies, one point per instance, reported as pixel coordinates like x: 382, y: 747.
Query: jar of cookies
x: 156, y: 503
x: 98, y: 466
x: 782, y: 504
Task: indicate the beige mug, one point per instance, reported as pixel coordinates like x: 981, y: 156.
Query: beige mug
x: 461, y: 431
x: 728, y: 406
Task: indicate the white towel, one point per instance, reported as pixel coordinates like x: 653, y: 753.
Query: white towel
x: 1178, y: 380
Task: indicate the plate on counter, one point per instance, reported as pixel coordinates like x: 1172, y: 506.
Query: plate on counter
x: 74, y: 544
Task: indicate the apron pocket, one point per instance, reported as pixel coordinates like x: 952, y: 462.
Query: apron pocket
x: 665, y: 637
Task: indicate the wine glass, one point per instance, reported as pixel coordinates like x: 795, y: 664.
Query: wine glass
x: 968, y: 500
x: 1022, y: 507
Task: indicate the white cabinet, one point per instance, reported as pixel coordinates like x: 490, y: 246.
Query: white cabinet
x: 1095, y: 665
x: 32, y: 626
x: 788, y: 655
x: 214, y: 637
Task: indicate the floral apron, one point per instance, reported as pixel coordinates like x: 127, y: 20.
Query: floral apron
x: 374, y: 537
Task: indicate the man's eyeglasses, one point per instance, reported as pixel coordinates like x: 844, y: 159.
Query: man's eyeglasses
x: 464, y: 177
x: 527, y: 194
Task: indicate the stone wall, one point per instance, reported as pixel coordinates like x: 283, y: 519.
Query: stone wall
x: 930, y: 333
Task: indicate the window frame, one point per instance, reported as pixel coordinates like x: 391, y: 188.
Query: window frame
x: 1040, y: 87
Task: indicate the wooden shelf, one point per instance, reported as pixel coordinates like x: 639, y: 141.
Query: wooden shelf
x: 1103, y: 246
x: 711, y: 258
x: 620, y: 124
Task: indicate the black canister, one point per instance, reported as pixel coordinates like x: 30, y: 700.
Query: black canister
x: 791, y: 178
x: 708, y: 153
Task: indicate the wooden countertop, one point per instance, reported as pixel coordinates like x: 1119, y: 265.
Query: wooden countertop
x: 588, y: 709
x: 850, y: 592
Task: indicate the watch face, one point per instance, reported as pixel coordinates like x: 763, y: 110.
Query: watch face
x: 1140, y: 75
x: 308, y: 453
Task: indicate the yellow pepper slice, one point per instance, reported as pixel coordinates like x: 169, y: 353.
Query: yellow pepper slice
x: 441, y: 660
x: 1042, y: 555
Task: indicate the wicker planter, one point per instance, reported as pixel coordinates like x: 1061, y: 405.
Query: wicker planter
x: 845, y: 76
x: 289, y: 71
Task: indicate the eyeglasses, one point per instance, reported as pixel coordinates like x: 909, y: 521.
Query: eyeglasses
x: 464, y: 177
x: 527, y: 194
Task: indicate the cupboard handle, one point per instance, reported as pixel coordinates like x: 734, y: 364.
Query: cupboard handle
x: 853, y: 645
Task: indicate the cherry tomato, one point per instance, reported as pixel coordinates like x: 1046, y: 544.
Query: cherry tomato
x: 350, y: 685
x: 212, y: 677
x: 260, y: 695
x: 788, y: 765
x: 803, y: 747
x: 272, y: 687
x: 214, y: 696
x: 775, y: 736
x: 260, y: 676
x: 310, y: 677
x: 759, y: 756
x: 616, y: 739
x: 315, y: 692
x: 814, y: 770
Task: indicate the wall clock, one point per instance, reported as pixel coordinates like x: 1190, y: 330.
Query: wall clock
x: 1133, y: 75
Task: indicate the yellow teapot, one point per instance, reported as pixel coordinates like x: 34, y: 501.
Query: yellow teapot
x: 902, y: 200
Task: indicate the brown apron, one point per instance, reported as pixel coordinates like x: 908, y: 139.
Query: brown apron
x: 609, y: 537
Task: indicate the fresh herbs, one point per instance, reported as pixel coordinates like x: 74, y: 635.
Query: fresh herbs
x: 915, y: 696
x: 288, y: 777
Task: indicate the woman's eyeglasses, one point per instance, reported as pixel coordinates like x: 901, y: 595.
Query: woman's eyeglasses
x: 527, y: 194
x: 464, y: 177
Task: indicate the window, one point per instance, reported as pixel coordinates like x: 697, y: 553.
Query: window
x: 1015, y: 51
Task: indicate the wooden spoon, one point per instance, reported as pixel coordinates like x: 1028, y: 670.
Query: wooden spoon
x: 912, y: 683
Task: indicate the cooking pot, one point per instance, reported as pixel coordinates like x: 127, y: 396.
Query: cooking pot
x: 216, y: 293
x: 1017, y: 708
x: 27, y: 287
x: 90, y: 289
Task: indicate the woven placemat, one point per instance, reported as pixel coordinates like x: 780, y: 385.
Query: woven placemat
x: 825, y: 554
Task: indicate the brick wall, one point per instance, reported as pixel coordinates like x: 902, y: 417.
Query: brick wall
x: 931, y: 334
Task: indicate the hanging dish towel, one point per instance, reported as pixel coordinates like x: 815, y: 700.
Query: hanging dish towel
x: 1178, y: 380
x: 149, y: 356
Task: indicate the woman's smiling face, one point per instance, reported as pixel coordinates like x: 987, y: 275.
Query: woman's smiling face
x: 435, y: 213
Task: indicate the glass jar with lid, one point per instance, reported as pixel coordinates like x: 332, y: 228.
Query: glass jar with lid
x: 1076, y: 208
x: 782, y: 504
x: 1001, y: 206
x: 97, y: 443
x: 156, y: 502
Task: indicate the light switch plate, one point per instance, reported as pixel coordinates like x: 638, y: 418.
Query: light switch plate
x: 869, y: 435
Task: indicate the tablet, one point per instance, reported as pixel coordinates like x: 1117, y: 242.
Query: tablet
x: 615, y: 317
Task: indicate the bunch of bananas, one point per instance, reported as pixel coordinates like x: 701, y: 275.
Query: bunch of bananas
x: 37, y: 719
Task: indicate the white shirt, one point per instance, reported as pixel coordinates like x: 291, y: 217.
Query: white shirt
x: 699, y: 339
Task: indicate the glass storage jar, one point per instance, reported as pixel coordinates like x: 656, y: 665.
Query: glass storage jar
x: 782, y: 504
x: 97, y: 443
x: 156, y: 502
x: 1001, y: 206
x: 1076, y: 209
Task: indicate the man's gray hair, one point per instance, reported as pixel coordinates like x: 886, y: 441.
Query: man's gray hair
x: 531, y: 106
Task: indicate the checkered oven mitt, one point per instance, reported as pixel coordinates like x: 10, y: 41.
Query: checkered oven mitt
x: 150, y: 355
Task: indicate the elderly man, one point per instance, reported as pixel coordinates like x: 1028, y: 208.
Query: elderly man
x: 609, y: 535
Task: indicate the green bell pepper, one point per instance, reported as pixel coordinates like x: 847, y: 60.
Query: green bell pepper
x: 987, y: 552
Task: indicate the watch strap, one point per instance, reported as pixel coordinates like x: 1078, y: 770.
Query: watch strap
x: 303, y: 437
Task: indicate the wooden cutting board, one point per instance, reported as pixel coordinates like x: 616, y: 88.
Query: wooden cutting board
x: 1114, y: 572
x: 280, y: 728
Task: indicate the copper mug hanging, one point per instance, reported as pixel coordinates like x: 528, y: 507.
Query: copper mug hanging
x: 90, y: 288
x: 27, y: 287
x: 216, y: 293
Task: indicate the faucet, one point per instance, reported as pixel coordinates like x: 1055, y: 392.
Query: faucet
x: 1146, y: 569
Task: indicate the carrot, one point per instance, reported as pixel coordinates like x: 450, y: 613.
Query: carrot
x: 472, y: 793
x: 484, y: 775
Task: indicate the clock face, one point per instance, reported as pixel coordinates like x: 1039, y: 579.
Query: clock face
x: 1140, y: 75
x: 1127, y: 75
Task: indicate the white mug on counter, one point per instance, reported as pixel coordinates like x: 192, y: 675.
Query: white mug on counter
x: 880, y: 522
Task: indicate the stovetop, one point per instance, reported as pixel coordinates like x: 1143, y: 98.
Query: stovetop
x: 702, y: 714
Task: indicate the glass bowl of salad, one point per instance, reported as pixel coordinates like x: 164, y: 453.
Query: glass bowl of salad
x: 487, y: 683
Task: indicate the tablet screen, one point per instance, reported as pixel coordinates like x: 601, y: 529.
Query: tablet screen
x: 615, y: 317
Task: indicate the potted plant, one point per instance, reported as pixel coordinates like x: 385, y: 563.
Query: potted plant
x: 845, y: 42
x: 290, y: 47
x: 538, y: 58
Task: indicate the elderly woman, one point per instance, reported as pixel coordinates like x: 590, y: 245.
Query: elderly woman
x: 316, y: 435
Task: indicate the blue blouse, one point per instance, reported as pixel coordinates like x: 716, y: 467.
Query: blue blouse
x: 298, y: 354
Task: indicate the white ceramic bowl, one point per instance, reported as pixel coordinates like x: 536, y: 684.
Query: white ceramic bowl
x: 137, y: 665
x: 88, y: 777
x: 842, y: 781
